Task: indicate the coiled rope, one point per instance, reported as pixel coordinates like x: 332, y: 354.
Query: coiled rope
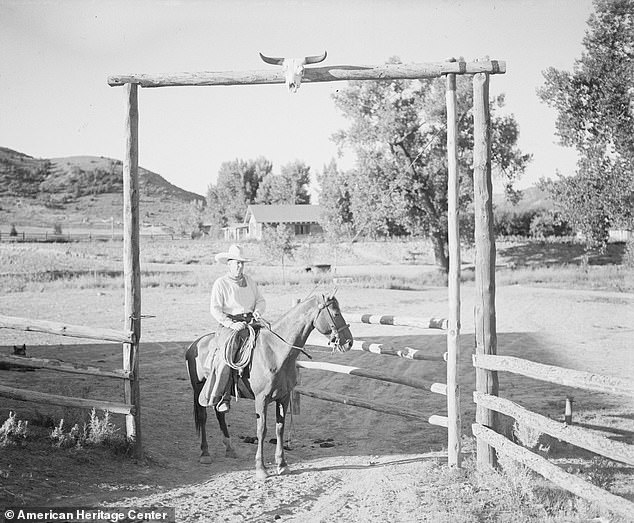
x: 243, y: 354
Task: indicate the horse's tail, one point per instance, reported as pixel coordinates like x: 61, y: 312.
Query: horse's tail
x: 199, y: 411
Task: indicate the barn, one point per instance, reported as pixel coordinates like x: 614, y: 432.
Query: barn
x: 302, y: 219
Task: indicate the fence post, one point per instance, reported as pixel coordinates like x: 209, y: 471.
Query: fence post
x: 485, y: 325
x: 131, y: 269
x: 453, y: 331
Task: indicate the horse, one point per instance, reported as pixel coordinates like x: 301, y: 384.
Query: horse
x: 272, y: 373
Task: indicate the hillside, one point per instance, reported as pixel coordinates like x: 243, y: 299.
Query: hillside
x: 533, y: 198
x: 82, y: 189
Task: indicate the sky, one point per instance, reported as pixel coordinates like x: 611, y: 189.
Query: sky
x: 56, y: 56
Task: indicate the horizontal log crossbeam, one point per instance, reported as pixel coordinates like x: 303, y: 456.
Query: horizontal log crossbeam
x: 61, y: 329
x: 327, y: 73
x: 65, y: 401
x: 578, y: 436
x: 383, y: 348
x: 558, y: 375
x: 438, y: 388
x: 553, y: 473
x: 63, y: 366
x: 365, y: 404
x: 401, y: 321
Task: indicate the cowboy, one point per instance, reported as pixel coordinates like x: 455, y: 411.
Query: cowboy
x: 236, y: 301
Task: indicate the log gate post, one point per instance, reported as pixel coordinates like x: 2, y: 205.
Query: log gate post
x: 485, y: 325
x: 131, y: 268
x: 453, y: 331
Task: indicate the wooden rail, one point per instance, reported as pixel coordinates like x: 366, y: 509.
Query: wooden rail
x: 578, y: 436
x: 553, y: 473
x: 558, y: 375
x: 383, y: 348
x: 438, y: 388
x: 327, y: 73
x: 377, y: 407
x: 61, y: 329
x: 401, y: 321
x: 62, y: 366
x: 65, y: 401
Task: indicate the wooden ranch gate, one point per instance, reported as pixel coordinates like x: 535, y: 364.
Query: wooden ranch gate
x: 450, y: 68
x: 487, y: 363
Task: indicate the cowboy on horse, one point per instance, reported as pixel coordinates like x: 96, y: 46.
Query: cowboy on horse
x: 236, y: 304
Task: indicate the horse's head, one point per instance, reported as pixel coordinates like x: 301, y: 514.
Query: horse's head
x: 329, y: 321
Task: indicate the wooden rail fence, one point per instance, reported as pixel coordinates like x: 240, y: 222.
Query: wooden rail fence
x: 577, y: 436
x: 378, y: 348
x: 77, y: 331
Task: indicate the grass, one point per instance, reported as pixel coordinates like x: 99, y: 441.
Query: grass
x: 94, y: 265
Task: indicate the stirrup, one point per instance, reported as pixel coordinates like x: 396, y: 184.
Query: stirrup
x: 223, y: 406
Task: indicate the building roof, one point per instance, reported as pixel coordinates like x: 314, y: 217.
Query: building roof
x: 284, y: 213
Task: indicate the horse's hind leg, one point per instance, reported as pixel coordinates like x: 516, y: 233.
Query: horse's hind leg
x: 260, y: 413
x: 280, y: 419
x: 201, y: 422
x: 229, y: 450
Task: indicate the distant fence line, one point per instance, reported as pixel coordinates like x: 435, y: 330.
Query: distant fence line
x: 50, y: 237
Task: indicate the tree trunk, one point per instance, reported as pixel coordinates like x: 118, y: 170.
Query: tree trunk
x: 439, y: 242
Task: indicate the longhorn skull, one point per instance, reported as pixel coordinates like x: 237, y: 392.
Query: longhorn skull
x: 293, y: 68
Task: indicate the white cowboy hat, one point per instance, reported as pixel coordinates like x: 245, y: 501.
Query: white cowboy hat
x: 234, y: 253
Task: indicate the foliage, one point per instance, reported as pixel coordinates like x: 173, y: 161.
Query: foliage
x: 236, y: 187
x: 547, y: 223
x: 13, y: 431
x: 57, y: 228
x: 397, y: 132
x: 278, y: 242
x: 288, y: 187
x: 595, y: 105
x: 97, y: 432
x: 14, y: 231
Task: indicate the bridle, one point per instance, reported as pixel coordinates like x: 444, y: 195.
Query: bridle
x: 334, y: 331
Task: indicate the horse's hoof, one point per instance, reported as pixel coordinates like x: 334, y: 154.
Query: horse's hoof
x: 261, y: 474
x: 205, y: 460
x: 282, y: 470
x: 231, y: 453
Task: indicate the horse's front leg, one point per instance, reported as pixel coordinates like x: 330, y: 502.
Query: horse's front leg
x: 280, y: 419
x: 260, y: 413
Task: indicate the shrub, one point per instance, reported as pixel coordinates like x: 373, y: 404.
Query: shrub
x: 14, y: 231
x: 13, y: 431
x: 547, y: 223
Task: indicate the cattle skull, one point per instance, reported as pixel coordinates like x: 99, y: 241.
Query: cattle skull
x: 293, y: 68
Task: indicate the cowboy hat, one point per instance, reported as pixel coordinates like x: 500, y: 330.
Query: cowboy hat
x: 233, y: 253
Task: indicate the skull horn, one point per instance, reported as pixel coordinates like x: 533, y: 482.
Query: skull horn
x: 315, y: 59
x: 271, y: 60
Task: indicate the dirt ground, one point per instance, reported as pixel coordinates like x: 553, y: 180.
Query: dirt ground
x: 348, y: 464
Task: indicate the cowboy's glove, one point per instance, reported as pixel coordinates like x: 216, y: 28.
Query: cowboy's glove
x: 238, y: 325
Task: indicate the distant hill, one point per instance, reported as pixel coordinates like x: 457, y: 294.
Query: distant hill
x: 83, y: 189
x: 532, y: 199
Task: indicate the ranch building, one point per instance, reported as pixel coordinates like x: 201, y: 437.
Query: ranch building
x: 302, y: 219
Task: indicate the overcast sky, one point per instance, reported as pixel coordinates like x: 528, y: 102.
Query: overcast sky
x: 57, y: 55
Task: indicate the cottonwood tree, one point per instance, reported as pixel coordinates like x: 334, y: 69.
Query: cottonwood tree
x: 291, y: 186
x: 236, y: 188
x: 595, y: 115
x: 398, y: 133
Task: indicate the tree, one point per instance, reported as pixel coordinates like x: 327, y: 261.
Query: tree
x: 335, y: 200
x: 237, y: 186
x: 288, y: 187
x: 595, y: 115
x: 397, y: 132
x: 278, y: 243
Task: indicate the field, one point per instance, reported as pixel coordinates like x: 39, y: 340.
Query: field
x: 553, y: 306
